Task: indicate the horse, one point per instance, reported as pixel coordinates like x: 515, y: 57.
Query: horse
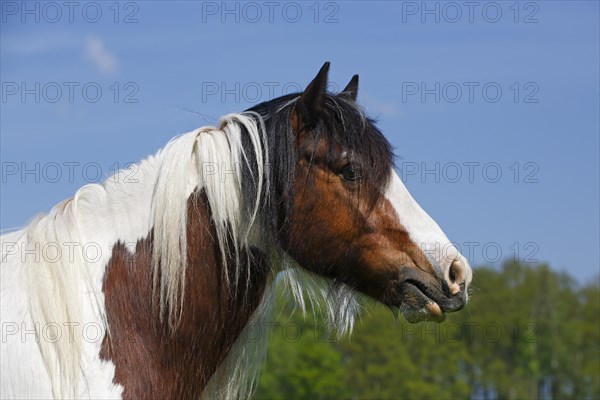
x: 156, y: 287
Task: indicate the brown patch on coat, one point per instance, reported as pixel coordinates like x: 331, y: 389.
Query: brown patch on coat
x: 150, y: 361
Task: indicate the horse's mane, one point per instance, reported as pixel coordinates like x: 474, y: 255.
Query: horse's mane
x: 255, y: 148
x: 183, y: 163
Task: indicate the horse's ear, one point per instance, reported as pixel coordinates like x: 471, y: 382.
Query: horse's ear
x: 351, y: 90
x: 311, y: 102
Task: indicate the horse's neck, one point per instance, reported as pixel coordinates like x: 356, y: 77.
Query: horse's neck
x: 112, y: 282
x: 175, y: 362
x: 179, y: 363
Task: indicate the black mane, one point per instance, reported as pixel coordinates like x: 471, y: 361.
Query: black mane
x: 342, y: 122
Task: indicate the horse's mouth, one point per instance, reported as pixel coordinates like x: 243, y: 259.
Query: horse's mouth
x: 418, y: 304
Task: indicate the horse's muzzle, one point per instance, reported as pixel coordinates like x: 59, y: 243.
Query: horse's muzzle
x: 427, y: 298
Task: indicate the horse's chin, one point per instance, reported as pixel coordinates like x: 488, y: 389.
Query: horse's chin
x: 417, y: 306
x: 431, y: 312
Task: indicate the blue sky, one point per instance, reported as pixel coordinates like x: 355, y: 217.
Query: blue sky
x: 466, y: 94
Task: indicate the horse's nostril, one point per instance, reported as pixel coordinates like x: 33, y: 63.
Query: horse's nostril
x: 456, y: 277
x: 452, y: 274
x: 456, y: 273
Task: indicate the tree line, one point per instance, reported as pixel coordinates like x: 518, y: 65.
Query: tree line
x: 528, y: 332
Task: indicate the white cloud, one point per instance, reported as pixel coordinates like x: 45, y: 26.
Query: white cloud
x: 103, y: 60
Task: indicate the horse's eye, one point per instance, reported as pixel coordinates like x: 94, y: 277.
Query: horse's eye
x: 349, y: 173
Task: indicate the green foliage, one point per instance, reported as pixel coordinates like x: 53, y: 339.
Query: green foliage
x: 301, y: 362
x: 528, y: 332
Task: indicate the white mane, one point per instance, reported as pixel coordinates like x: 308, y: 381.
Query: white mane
x: 69, y: 289
x: 185, y: 165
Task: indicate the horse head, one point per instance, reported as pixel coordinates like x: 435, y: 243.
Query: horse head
x: 347, y: 216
